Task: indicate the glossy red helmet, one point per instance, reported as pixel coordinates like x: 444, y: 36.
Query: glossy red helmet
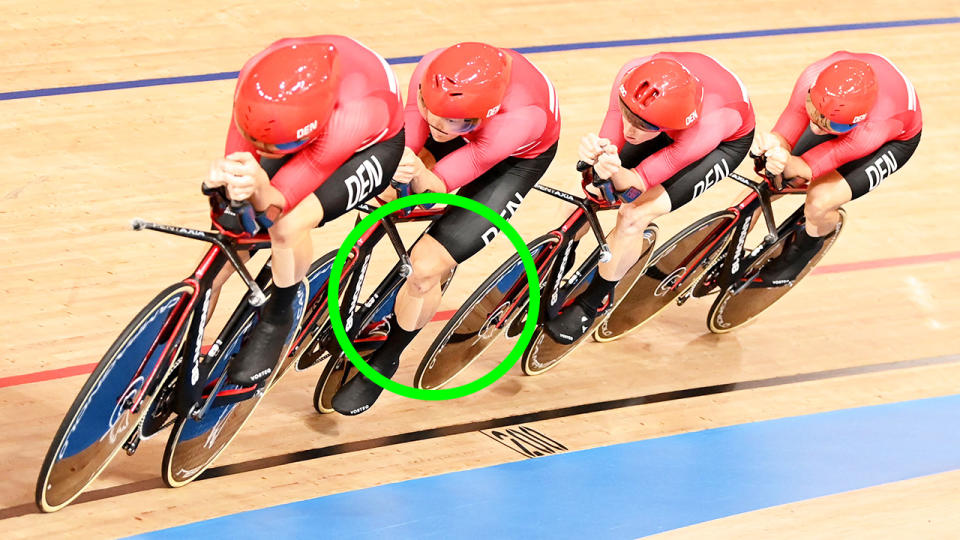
x: 467, y: 80
x: 285, y: 98
x: 663, y: 93
x: 845, y: 91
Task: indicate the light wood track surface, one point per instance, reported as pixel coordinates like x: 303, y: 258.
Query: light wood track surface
x: 79, y: 167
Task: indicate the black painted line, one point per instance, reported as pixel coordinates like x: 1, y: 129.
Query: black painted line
x: 562, y: 412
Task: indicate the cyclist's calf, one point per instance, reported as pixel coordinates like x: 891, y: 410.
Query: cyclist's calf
x: 291, y: 247
x: 824, y: 198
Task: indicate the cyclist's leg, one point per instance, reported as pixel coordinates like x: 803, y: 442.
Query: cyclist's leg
x: 808, y: 139
x: 826, y: 195
x: 626, y: 245
x: 626, y: 239
x: 291, y: 254
x: 630, y: 156
x: 455, y: 237
x: 292, y: 251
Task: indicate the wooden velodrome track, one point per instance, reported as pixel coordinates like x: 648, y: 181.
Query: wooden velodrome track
x: 78, y: 167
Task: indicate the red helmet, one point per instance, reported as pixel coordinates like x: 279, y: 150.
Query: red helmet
x: 285, y: 98
x: 845, y: 91
x: 663, y: 93
x: 467, y: 80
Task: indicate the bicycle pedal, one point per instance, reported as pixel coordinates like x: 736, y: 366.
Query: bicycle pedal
x: 132, y: 442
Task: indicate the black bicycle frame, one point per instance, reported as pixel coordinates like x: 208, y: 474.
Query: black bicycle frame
x: 584, y: 215
x: 361, y: 254
x: 735, y: 269
x: 224, y: 250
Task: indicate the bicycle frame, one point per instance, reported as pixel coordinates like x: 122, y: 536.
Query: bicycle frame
x: 585, y: 214
x: 360, y: 254
x: 190, y: 397
x: 759, y: 198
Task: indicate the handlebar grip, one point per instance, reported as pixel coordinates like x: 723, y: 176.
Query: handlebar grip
x: 609, y: 193
x: 428, y: 206
x: 760, y: 166
x: 582, y: 166
x: 403, y: 190
x: 248, y: 216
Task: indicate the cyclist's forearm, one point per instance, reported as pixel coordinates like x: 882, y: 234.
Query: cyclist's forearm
x: 267, y: 196
x: 426, y: 180
x: 625, y: 179
x: 797, y: 169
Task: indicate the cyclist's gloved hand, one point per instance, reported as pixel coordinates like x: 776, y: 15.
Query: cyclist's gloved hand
x: 244, y: 175
x: 769, y: 157
x: 762, y: 143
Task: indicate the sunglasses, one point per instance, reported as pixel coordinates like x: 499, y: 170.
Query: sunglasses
x: 635, y: 120
x: 458, y: 126
x: 643, y: 125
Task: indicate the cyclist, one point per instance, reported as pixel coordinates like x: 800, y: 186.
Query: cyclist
x: 677, y: 123
x: 490, y: 119
x: 852, y: 120
x: 317, y: 129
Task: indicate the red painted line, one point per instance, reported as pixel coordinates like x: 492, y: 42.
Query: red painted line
x: 47, y: 375
x: 886, y: 263
x: 444, y: 315
x: 441, y: 316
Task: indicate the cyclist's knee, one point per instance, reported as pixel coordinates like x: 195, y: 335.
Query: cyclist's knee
x: 426, y: 274
x: 429, y: 266
x: 817, y: 207
x: 632, y: 219
x: 288, y: 231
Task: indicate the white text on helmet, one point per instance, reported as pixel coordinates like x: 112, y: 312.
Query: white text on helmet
x: 306, y: 130
x: 691, y: 118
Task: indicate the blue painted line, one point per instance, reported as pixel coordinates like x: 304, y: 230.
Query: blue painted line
x: 59, y: 91
x: 633, y: 489
x: 227, y: 75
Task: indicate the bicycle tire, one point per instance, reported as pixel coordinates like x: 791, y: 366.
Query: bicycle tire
x: 654, y: 291
x: 59, y: 483
x: 543, y: 353
x: 475, y: 325
x: 732, y: 310
x: 183, y: 458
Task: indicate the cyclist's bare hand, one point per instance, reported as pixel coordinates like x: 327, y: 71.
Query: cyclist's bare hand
x: 607, y: 163
x: 777, y: 160
x: 244, y: 175
x: 591, y: 146
x: 763, y: 143
x: 409, y: 166
x: 217, y: 177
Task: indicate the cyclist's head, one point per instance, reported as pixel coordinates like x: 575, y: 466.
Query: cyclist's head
x: 463, y: 86
x: 285, y: 98
x: 661, y: 94
x: 842, y: 96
